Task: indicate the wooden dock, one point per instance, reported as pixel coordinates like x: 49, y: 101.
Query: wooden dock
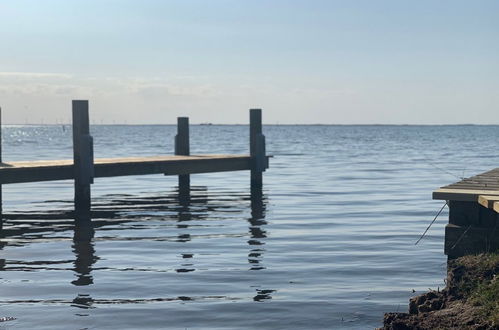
x: 51, y: 170
x: 83, y: 168
x: 469, y: 189
x: 473, y: 214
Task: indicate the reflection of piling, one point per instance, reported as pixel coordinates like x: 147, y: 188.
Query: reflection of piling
x: 84, y: 251
x: 83, y: 157
x: 256, y: 229
x: 182, y: 149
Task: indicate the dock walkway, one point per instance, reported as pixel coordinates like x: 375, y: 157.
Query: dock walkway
x: 469, y: 189
x: 51, y: 170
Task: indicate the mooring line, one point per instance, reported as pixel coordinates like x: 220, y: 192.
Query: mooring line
x: 446, y: 171
x: 431, y: 224
x: 428, y: 161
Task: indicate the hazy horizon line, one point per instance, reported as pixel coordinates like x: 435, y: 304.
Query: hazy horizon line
x: 239, y: 124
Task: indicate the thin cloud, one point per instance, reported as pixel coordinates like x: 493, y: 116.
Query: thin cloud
x: 35, y: 75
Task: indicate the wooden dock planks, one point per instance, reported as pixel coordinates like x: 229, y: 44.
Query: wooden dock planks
x: 48, y: 170
x: 469, y: 189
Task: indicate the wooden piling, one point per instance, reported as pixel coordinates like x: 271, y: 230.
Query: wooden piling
x: 472, y: 229
x: 1, y: 201
x: 182, y: 148
x: 83, y: 157
x: 259, y: 161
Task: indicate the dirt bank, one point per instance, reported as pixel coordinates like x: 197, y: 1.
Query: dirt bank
x: 469, y: 301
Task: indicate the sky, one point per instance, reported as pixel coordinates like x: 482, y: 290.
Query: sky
x: 302, y: 62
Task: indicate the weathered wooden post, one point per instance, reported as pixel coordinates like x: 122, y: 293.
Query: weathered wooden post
x: 182, y: 148
x: 83, y: 158
x: 1, y: 200
x: 472, y: 229
x: 259, y: 161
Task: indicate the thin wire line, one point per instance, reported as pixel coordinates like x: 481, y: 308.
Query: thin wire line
x: 431, y: 224
x: 461, y: 237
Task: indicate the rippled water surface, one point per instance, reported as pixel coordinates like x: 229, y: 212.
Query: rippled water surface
x: 328, y: 245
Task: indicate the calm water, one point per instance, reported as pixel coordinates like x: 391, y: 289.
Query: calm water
x: 330, y: 245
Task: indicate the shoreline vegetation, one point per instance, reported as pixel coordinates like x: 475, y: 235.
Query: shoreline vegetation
x: 469, y: 301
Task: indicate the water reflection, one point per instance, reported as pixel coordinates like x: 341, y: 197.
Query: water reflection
x: 256, y: 229
x: 192, y: 217
x: 2, y: 261
x: 84, y: 301
x: 262, y: 295
x: 83, y: 248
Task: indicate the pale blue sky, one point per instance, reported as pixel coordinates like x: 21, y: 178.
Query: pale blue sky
x: 394, y: 62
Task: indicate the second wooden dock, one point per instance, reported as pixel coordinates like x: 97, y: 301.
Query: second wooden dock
x: 473, y: 214
x: 83, y: 168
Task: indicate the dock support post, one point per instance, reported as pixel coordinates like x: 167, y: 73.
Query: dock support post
x: 1, y: 200
x: 472, y: 229
x: 83, y: 159
x: 259, y: 161
x: 182, y: 148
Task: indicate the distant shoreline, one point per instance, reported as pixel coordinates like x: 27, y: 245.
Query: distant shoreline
x: 214, y: 124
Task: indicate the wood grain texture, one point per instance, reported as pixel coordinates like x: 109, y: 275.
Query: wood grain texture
x: 487, y: 201
x: 495, y: 207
